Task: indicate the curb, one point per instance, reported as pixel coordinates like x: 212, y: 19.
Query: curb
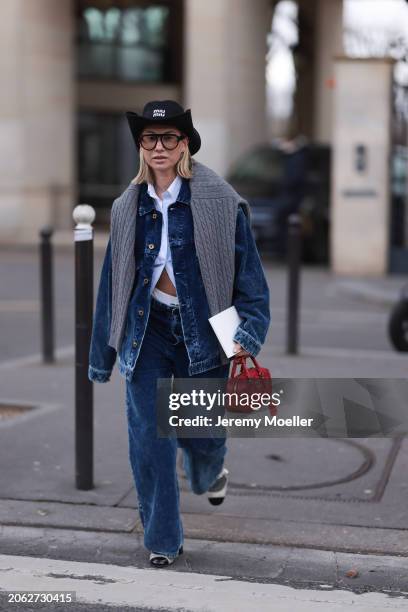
x: 258, y: 563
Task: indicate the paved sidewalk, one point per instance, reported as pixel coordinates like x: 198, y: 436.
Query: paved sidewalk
x: 300, y: 512
x: 340, y: 494
x: 297, y: 502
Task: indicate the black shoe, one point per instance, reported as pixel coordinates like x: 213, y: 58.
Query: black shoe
x: 160, y: 560
x: 217, y: 492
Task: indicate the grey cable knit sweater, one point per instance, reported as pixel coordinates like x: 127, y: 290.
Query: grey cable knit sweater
x: 214, y: 206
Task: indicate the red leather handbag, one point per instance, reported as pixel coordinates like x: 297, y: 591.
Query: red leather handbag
x: 248, y: 381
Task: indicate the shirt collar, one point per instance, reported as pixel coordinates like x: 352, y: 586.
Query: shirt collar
x: 146, y: 201
x: 172, y: 189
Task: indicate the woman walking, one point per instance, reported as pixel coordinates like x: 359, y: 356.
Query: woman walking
x: 180, y: 250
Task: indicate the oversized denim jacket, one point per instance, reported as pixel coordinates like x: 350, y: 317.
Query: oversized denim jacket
x: 250, y: 294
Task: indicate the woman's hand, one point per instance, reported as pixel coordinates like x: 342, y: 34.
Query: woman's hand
x: 239, y: 351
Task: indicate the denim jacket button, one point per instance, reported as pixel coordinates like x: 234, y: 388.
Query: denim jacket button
x: 134, y: 343
x: 141, y: 311
x: 154, y: 215
x: 151, y: 246
x: 145, y: 281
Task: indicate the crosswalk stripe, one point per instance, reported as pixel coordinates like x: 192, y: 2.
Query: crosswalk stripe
x: 165, y: 588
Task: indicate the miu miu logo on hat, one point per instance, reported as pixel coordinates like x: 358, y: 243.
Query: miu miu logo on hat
x: 159, y: 112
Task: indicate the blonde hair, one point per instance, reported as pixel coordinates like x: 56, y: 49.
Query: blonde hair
x: 183, y: 168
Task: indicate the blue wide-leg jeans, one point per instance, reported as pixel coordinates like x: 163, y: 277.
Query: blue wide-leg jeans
x: 163, y: 354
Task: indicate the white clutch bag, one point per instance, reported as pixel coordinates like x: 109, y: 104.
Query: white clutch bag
x: 225, y: 324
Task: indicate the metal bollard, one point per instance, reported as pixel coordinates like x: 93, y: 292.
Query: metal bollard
x: 294, y: 252
x: 83, y: 215
x: 47, y: 295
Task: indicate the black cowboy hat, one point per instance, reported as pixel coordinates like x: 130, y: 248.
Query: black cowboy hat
x: 165, y: 111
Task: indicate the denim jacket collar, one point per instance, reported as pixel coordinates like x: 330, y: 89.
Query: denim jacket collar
x: 146, y: 202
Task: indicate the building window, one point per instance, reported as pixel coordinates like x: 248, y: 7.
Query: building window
x: 127, y: 44
x: 107, y: 160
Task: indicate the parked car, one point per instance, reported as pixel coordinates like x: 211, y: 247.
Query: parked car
x: 278, y: 179
x: 399, y: 209
x: 398, y: 322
